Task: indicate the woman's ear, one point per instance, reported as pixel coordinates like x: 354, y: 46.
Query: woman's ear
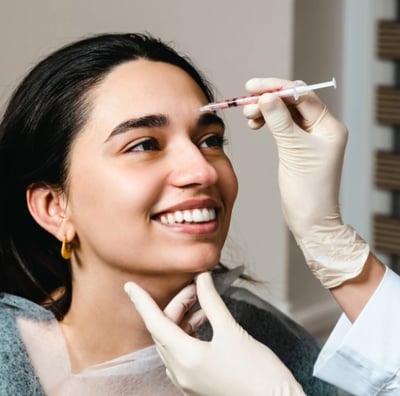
x: 48, y: 206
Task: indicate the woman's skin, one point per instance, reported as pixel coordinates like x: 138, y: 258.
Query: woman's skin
x: 144, y: 151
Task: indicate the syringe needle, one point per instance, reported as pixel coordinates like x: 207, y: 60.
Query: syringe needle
x: 294, y: 91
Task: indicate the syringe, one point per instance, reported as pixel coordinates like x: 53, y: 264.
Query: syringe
x: 294, y: 91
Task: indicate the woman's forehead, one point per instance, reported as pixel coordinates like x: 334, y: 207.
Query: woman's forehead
x: 141, y: 87
x: 146, y: 78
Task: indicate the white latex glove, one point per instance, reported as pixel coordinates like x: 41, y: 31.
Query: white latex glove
x: 311, y: 145
x: 232, y: 363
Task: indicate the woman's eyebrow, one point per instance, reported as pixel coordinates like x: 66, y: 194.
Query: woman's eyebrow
x: 210, y: 118
x: 147, y: 121
x: 161, y: 120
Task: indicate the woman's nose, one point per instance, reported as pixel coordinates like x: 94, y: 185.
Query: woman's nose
x: 191, y: 167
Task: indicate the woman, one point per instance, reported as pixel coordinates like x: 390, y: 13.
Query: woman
x: 362, y: 354
x: 104, y: 154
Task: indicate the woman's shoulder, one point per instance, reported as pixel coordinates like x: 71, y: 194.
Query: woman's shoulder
x: 290, y: 341
x: 270, y: 325
x: 255, y: 311
x: 12, y: 306
x: 17, y: 376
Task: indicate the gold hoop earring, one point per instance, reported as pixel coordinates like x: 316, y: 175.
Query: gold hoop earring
x: 66, y: 249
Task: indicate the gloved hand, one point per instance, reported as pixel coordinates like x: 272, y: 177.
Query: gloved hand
x: 311, y: 145
x: 232, y: 363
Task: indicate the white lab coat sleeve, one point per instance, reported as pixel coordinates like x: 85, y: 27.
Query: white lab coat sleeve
x: 364, y: 357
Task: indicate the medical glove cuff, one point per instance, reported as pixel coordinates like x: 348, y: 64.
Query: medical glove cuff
x: 334, y: 254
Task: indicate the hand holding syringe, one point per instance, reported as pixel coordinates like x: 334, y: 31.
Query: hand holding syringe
x: 295, y: 91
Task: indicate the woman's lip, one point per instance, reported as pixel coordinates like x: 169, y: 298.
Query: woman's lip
x: 197, y: 203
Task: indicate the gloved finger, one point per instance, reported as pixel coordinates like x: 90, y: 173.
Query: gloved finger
x: 309, y: 106
x: 305, y: 110
x: 310, y: 111
x: 256, y: 124
x: 164, y: 332
x: 181, y: 303
x: 317, y: 119
x: 261, y: 85
x: 191, y: 323
x: 252, y: 111
x: 276, y: 114
x: 254, y: 115
x: 212, y: 304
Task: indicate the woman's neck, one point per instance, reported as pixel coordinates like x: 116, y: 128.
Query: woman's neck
x: 102, y: 323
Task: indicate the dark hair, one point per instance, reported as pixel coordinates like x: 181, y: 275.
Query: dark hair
x: 42, y: 119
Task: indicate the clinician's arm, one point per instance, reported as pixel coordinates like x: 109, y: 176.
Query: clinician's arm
x: 354, y: 294
x: 232, y: 363
x: 311, y: 145
x: 363, y: 353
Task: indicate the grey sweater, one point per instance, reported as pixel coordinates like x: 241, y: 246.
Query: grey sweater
x: 294, y: 346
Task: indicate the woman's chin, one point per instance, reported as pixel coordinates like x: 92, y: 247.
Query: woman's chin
x: 201, y: 262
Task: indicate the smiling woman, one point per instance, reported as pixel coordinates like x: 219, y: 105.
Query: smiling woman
x: 105, y: 156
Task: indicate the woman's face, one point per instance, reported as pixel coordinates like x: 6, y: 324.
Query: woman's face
x: 150, y: 188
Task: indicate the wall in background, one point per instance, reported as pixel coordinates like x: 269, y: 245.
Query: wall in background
x: 304, y: 39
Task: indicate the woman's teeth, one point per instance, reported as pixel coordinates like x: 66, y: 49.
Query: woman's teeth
x: 189, y: 216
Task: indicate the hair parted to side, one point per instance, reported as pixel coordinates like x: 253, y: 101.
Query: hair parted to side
x: 40, y: 123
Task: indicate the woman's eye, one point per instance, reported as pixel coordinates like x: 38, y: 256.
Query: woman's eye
x: 213, y: 141
x: 145, y: 145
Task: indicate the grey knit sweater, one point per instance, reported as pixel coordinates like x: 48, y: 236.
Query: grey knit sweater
x: 294, y: 346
